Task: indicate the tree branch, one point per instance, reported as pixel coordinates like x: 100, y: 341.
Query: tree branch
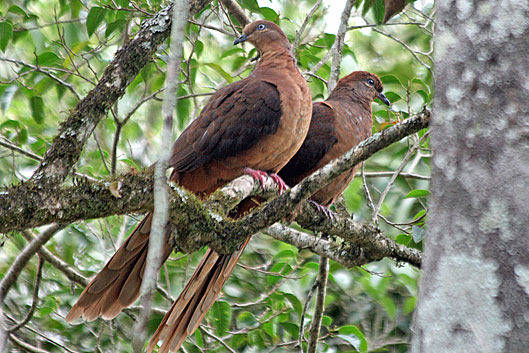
x: 337, y: 47
x: 315, y: 326
x: 161, y: 194
x: 200, y: 224
x: 282, y: 206
x: 236, y: 11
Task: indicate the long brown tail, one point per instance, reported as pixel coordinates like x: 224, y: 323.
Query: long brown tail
x: 117, y: 285
x: 199, y: 294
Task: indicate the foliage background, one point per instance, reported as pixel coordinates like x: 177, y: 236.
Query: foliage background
x: 53, y: 53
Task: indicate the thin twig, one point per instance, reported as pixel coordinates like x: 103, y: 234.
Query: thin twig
x: 299, y: 33
x: 405, y: 161
x: 407, y: 47
x: 121, y: 123
x: 220, y: 340
x: 161, y: 195
x: 57, y: 262
x: 266, y: 295
x: 338, y: 46
x: 35, y: 299
x: 24, y: 257
x: 45, y: 72
x: 369, y: 198
x: 4, y: 142
x: 323, y: 274
x: 218, y: 29
x: 24, y: 29
x: 301, y: 335
x: 402, y: 174
x: 26, y: 346
x: 47, y: 338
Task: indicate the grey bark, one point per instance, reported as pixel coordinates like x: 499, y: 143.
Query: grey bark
x: 161, y: 192
x: 474, y: 296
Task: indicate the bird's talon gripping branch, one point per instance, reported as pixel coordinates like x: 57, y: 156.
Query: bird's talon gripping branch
x: 257, y: 175
x: 282, y: 186
x: 328, y: 213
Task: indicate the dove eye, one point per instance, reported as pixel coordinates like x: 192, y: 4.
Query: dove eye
x: 370, y: 82
x: 261, y: 27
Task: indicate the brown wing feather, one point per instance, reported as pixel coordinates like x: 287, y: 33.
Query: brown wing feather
x: 320, y: 139
x: 335, y: 128
x: 234, y: 119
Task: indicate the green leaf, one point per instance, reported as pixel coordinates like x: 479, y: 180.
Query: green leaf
x: 251, y: 5
x: 268, y: 14
x: 13, y: 124
x: 255, y: 339
x: 22, y: 136
x: 47, y: 307
x: 409, y: 305
x: 419, y: 214
x: 94, y: 19
x: 326, y: 320
x: 291, y: 328
x: 393, y: 97
x: 367, y: 5
x: 232, y: 51
x: 17, y: 11
x: 403, y: 239
x: 39, y: 146
x: 285, y: 255
x: 420, y: 82
x: 6, y: 97
x: 390, y: 79
x: 61, y: 90
x: 37, y: 109
x: 221, y: 314
x: 389, y: 306
x: 199, y: 47
x: 325, y: 40
x: 6, y: 31
x: 354, y: 336
x: 199, y: 338
x: 379, y: 11
x: 295, y: 302
x: 425, y: 96
x: 48, y: 59
x: 247, y: 320
x: 183, y: 107
x: 239, y: 340
x: 417, y: 193
x: 418, y: 233
x: 112, y: 26
x: 270, y: 328
x: 75, y: 7
x: 281, y: 269
x: 221, y: 71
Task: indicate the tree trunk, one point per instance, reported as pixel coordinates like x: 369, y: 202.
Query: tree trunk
x: 474, y: 295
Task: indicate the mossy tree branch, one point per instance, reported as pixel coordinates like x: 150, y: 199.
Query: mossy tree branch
x: 200, y: 224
